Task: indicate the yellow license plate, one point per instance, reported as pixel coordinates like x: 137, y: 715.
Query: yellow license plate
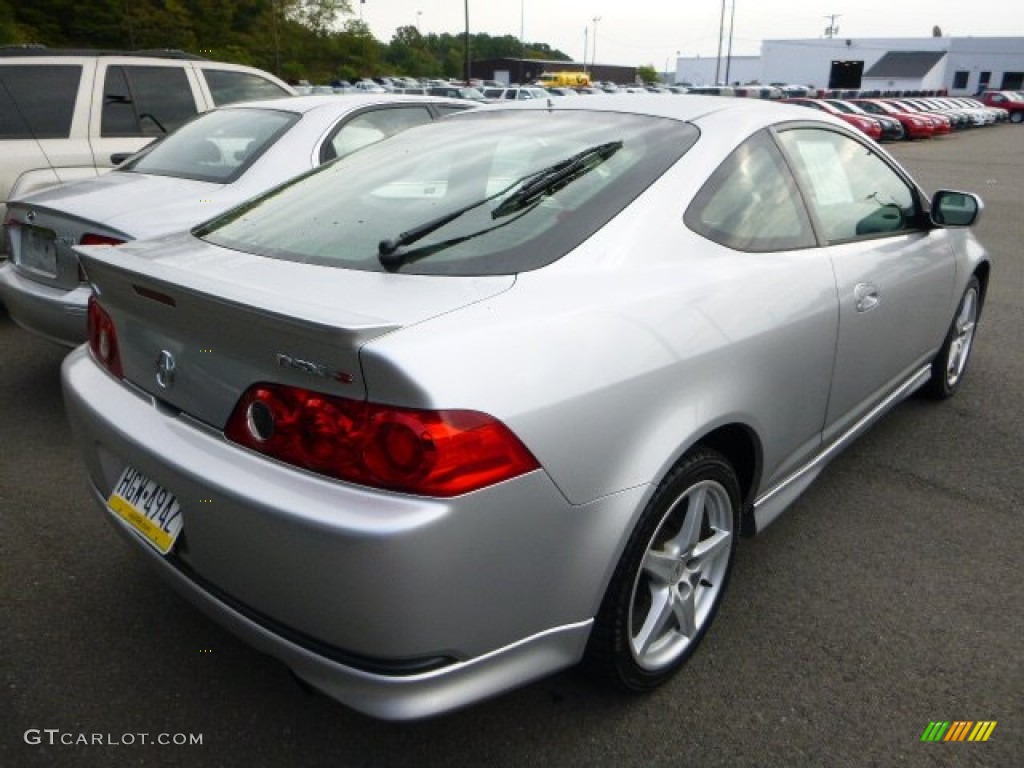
x: 148, y: 508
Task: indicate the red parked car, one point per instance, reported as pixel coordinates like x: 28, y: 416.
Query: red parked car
x: 1011, y: 101
x: 868, y: 125
x: 915, y: 124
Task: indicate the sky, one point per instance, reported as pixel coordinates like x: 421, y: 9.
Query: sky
x: 651, y: 32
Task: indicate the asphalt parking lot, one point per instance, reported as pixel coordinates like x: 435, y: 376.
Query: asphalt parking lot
x: 888, y: 597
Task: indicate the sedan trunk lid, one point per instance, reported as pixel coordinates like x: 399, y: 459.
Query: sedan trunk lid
x: 198, y: 324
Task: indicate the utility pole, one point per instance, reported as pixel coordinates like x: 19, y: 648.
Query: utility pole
x: 728, y: 56
x: 832, y: 29
x: 721, y: 31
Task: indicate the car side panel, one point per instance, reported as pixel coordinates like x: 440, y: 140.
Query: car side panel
x: 642, y: 363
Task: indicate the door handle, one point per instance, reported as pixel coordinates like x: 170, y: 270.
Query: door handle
x: 866, y: 296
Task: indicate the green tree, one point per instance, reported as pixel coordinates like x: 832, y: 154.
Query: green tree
x: 9, y: 32
x: 648, y: 74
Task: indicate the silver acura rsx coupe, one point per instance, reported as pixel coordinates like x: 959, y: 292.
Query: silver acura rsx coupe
x: 498, y: 395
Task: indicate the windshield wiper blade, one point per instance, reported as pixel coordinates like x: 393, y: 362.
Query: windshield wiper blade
x: 400, y: 258
x: 556, y: 177
x: 543, y: 182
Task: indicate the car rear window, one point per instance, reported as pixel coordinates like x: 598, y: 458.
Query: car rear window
x: 228, y: 86
x: 24, y: 114
x: 217, y: 146
x: 479, y: 193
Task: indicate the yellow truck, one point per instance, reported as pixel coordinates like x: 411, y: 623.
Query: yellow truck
x: 564, y: 79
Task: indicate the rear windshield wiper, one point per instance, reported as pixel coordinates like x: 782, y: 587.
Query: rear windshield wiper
x: 533, y: 187
x: 554, y: 178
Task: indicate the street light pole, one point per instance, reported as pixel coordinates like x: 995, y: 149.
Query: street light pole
x: 593, y: 46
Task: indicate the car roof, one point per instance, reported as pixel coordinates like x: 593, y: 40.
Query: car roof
x: 691, y: 109
x: 303, y: 104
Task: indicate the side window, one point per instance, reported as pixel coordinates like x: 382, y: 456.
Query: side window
x: 853, y: 192
x: 751, y: 202
x: 447, y: 109
x: 24, y: 114
x: 229, y: 86
x: 370, y: 127
x: 145, y: 101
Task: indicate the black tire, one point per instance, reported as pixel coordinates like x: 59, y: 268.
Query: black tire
x: 950, y: 364
x: 671, y: 571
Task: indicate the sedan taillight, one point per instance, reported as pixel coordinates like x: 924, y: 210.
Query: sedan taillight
x: 91, y: 238
x: 429, y: 453
x: 103, y: 339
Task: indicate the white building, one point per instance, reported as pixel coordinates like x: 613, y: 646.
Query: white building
x: 958, y: 65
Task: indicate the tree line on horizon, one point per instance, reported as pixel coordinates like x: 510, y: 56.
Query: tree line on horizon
x: 315, y: 40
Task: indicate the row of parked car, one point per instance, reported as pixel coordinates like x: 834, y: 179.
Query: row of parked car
x: 909, y: 118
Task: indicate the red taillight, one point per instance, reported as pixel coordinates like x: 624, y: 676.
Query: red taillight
x: 90, y: 238
x: 103, y: 339
x: 429, y: 453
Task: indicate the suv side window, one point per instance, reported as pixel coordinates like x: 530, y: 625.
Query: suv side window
x: 228, y: 86
x: 24, y: 115
x: 751, y: 202
x: 370, y: 127
x: 853, y: 192
x: 145, y: 101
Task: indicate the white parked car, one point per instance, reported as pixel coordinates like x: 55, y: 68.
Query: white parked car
x: 65, y: 114
x: 209, y: 165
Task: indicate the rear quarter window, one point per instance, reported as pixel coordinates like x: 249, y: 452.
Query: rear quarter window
x: 228, y: 86
x: 23, y: 114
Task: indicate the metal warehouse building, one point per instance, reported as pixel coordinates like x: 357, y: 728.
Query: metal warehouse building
x: 958, y: 65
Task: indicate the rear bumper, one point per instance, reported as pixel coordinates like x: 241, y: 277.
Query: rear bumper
x: 356, y: 590
x: 54, y: 313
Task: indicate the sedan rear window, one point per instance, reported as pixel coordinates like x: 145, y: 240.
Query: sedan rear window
x: 217, y: 146
x: 481, y: 193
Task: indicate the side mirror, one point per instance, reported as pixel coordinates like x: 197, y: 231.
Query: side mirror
x: 955, y: 209
x: 119, y: 157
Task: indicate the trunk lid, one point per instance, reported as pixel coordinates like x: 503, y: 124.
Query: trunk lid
x: 224, y: 320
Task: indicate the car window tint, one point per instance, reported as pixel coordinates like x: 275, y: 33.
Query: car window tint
x: 461, y: 176
x: 447, y: 109
x: 370, y: 127
x: 24, y: 114
x: 228, y: 86
x: 751, y: 202
x: 217, y: 146
x: 853, y: 192
x: 145, y: 101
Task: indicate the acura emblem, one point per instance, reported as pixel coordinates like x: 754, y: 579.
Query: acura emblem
x: 165, y: 369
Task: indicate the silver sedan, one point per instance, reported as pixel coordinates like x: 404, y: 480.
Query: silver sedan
x: 220, y: 159
x: 498, y: 395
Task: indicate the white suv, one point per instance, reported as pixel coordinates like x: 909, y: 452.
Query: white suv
x: 68, y: 115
